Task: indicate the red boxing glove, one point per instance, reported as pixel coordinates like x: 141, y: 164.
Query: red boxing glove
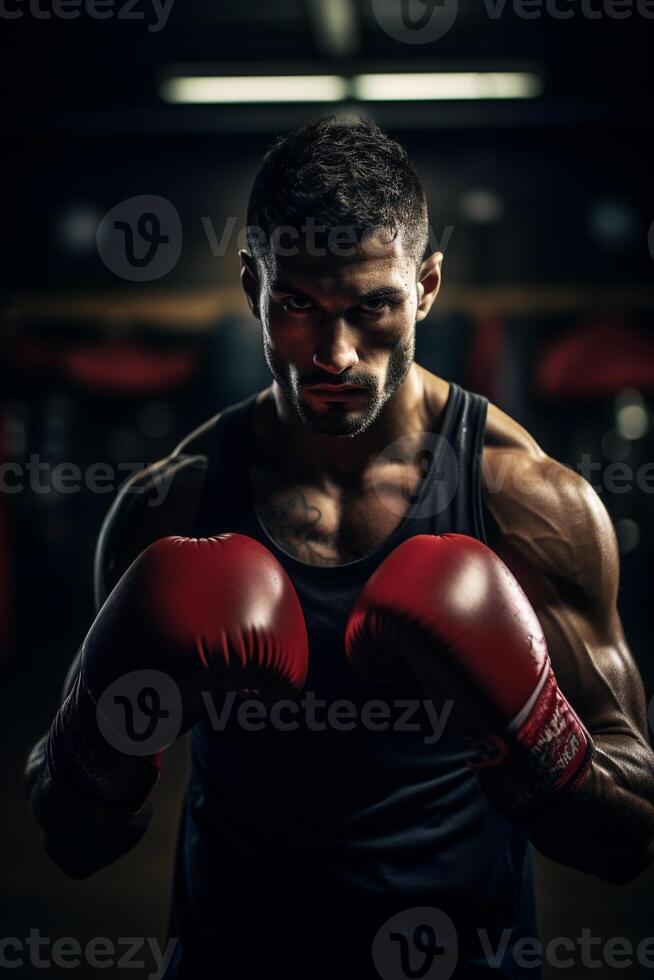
x: 189, y: 617
x: 453, y: 612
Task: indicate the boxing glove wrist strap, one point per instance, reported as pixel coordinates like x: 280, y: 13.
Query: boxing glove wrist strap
x: 78, y: 754
x: 544, y: 750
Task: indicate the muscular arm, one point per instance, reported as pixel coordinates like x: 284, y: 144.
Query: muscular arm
x: 81, y: 833
x: 552, y: 531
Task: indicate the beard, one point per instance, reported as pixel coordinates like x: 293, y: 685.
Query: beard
x: 337, y: 420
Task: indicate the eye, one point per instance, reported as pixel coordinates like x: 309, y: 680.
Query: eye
x: 297, y: 304
x: 374, y: 306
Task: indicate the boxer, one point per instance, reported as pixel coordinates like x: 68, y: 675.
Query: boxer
x: 360, y: 536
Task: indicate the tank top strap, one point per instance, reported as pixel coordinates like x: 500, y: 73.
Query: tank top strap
x: 460, y: 465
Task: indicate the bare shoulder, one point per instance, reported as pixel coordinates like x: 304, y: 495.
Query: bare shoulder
x: 503, y: 432
x: 160, y: 500
x: 544, y: 518
x: 156, y: 502
x: 198, y: 442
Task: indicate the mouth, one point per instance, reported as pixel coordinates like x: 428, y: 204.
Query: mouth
x: 332, y: 393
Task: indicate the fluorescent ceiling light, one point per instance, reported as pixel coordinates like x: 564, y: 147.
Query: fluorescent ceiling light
x: 379, y: 87
x: 231, y: 89
x: 430, y: 86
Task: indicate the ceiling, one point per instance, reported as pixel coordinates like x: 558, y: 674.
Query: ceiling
x: 90, y: 74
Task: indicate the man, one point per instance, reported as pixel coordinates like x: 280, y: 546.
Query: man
x: 372, y: 544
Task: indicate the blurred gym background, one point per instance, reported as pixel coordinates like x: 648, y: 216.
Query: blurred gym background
x: 528, y: 124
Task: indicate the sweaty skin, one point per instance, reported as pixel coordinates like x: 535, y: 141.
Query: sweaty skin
x: 316, y: 474
x: 546, y: 524
x: 550, y: 528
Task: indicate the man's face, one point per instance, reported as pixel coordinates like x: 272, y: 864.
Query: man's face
x: 346, y: 322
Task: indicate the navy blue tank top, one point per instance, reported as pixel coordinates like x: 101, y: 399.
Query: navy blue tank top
x: 300, y: 839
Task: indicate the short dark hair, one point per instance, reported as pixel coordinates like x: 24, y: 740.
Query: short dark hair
x: 339, y: 174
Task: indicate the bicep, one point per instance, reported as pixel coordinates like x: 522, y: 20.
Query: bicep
x: 558, y: 540
x: 582, y: 625
x: 595, y: 669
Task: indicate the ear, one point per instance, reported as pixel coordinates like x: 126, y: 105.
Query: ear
x: 429, y: 284
x: 250, y: 281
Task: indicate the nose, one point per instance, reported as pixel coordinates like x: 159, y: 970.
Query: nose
x: 337, y: 350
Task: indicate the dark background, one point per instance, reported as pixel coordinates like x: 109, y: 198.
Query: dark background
x: 547, y: 212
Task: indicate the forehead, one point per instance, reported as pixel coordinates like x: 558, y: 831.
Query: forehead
x: 345, y: 265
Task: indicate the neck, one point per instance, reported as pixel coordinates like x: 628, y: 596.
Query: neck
x: 340, y: 462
